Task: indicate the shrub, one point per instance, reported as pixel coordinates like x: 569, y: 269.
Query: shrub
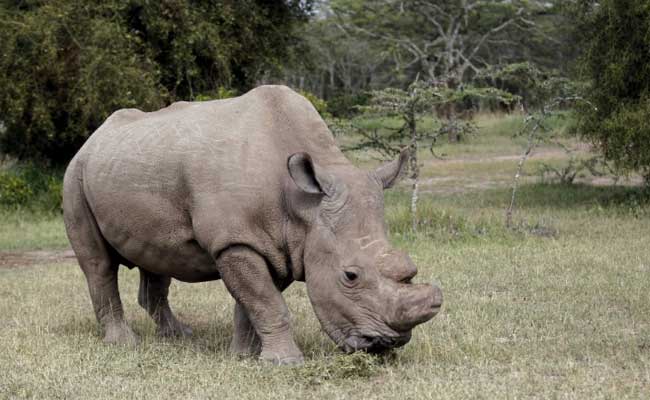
x: 221, y: 93
x: 347, y: 105
x: 319, y: 104
x: 31, y: 186
x: 616, y: 64
x: 52, y: 198
x: 14, y: 190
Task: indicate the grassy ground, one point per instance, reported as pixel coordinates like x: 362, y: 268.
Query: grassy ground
x: 557, y: 308
x: 29, y: 230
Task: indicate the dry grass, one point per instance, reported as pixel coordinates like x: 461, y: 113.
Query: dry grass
x: 527, y: 314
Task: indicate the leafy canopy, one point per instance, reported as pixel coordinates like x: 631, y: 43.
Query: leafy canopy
x: 66, y: 65
x: 616, y: 64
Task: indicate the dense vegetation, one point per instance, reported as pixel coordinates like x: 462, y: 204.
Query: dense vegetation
x: 65, y: 65
x: 616, y: 64
x: 358, y: 45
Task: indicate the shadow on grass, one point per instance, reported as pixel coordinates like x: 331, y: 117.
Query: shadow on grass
x: 78, y: 327
x: 208, y: 337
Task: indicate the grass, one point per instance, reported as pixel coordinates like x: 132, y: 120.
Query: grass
x: 24, y: 229
x: 559, y: 312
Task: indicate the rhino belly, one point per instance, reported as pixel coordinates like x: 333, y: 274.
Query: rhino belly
x: 154, y: 234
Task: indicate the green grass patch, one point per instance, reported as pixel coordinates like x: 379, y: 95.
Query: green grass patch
x: 23, y: 229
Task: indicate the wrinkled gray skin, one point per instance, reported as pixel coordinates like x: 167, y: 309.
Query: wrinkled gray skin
x: 251, y: 190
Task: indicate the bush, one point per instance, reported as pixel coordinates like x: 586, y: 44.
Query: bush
x: 14, y: 190
x: 347, y: 105
x: 616, y: 64
x: 52, y: 198
x: 31, y: 186
x: 221, y: 93
x: 319, y: 104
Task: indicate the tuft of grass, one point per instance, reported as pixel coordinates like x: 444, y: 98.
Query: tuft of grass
x: 338, y: 367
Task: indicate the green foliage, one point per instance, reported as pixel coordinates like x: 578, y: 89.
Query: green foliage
x: 616, y: 64
x: 407, y: 105
x: 221, y: 93
x: 31, y: 186
x: 319, y: 104
x: 362, y: 45
x: 65, y: 66
x: 532, y: 85
x: 419, y: 101
x: 470, y: 96
x: 14, y: 190
x: 52, y: 197
x: 347, y: 105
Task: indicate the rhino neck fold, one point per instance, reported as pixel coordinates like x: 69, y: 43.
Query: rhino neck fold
x: 293, y: 242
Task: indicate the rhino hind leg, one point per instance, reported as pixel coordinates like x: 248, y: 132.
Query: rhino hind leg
x: 97, y: 264
x: 152, y: 296
x: 245, y: 340
x: 246, y: 276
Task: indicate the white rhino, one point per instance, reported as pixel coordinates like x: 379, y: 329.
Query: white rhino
x: 251, y: 190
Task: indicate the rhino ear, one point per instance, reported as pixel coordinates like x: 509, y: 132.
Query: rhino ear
x: 306, y: 175
x: 390, y: 173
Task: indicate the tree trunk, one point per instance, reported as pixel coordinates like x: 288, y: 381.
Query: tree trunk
x: 415, y: 173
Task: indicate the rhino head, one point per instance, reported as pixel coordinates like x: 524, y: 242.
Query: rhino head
x: 359, y: 286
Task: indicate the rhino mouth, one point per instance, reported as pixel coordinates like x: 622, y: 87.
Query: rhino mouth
x: 374, y: 344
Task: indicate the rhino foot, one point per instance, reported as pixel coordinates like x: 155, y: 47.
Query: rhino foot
x: 121, y: 334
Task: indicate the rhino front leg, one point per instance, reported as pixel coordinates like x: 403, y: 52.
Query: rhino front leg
x: 247, y: 277
x: 245, y: 340
x: 152, y: 296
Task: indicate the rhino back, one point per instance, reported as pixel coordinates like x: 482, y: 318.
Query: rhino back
x: 167, y: 186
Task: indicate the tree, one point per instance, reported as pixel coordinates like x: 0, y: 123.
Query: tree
x: 445, y: 40
x: 66, y: 65
x: 363, y: 45
x: 616, y: 65
x: 410, y: 106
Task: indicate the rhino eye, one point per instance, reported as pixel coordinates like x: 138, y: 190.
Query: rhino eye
x: 351, y: 276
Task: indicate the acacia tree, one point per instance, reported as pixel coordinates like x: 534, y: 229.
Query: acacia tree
x: 410, y: 106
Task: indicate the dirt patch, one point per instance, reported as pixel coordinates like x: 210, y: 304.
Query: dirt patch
x: 537, y: 154
x: 26, y: 258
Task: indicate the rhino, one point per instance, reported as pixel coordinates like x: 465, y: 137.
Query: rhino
x: 254, y: 191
